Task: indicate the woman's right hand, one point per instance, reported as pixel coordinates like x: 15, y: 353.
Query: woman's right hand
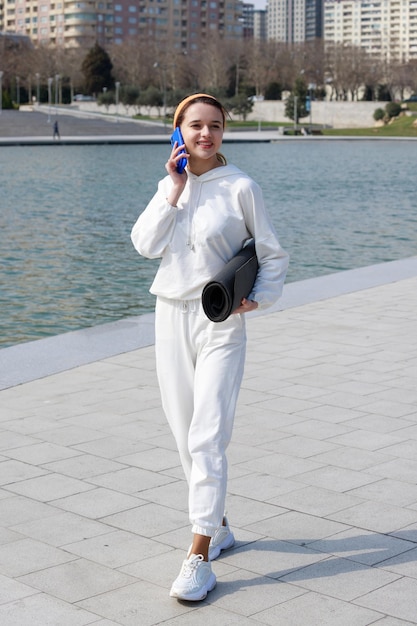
x: 171, y: 165
x: 179, y: 180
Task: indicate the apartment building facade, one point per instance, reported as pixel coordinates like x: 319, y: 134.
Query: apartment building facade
x: 294, y: 21
x: 386, y: 29
x: 183, y: 24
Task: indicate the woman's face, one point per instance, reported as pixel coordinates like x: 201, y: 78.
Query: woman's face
x: 202, y: 129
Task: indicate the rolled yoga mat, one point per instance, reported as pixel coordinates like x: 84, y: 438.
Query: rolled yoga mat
x: 222, y: 295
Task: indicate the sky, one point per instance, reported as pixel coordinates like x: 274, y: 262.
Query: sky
x: 259, y: 4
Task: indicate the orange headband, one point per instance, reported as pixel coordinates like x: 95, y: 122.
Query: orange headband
x: 186, y: 101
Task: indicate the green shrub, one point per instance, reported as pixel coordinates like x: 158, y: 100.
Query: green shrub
x: 393, y: 109
x: 379, y: 114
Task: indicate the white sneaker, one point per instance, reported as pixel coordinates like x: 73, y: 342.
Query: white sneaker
x: 222, y: 540
x: 195, y: 579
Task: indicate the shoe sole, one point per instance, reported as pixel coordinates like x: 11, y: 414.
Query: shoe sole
x: 198, y: 595
x: 214, y: 554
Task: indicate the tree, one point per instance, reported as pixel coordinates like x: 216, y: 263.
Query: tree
x: 97, y: 69
x: 295, y: 106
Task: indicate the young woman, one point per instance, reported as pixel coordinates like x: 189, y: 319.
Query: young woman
x: 196, y: 222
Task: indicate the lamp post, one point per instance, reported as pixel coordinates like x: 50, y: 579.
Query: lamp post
x: 50, y: 81
x: 1, y: 92
x: 56, y: 93
x: 37, y: 88
x: 164, y: 88
x: 117, y: 101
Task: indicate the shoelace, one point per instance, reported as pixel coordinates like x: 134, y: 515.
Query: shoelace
x: 190, y: 565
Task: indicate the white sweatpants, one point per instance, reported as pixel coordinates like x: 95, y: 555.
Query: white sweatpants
x: 200, y: 367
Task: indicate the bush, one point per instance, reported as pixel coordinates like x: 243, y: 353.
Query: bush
x: 393, y: 109
x: 379, y: 114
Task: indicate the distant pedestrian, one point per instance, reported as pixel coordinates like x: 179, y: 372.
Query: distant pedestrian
x: 56, y: 131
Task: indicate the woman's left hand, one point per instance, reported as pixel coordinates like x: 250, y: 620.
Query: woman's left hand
x: 246, y: 306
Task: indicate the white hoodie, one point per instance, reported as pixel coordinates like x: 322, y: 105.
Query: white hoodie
x: 217, y: 212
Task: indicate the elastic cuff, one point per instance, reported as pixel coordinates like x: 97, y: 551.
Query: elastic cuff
x: 206, y: 532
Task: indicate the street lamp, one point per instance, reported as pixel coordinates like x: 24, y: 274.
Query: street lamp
x: 37, y: 87
x: 164, y: 88
x: 1, y: 92
x: 50, y: 81
x: 56, y: 93
x: 117, y: 100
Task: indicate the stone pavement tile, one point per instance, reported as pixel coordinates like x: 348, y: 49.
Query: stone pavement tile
x: 364, y: 546
x: 155, y: 459
x: 140, y: 603
x: 391, y: 621
x: 332, y: 414
x: 15, y: 471
x: 11, y: 590
x: 148, y: 520
x: 28, y: 555
x: 341, y: 578
x: 49, y: 487
x: 280, y: 465
x: 61, y: 528
x: 298, y: 528
x: 174, y: 495
x: 85, y: 466
x: 376, y: 516
x: 403, y: 450
x: 316, y: 609
x: 30, y: 425
x: 243, y: 433
x: 248, y: 594
x: 71, y: 435
x: 7, y: 535
x: 398, y: 469
x: 43, y: 610
x: 261, y: 487
x: 131, y: 480
x: 41, y: 453
x: 404, y: 563
x: 398, y: 599
x: 116, y: 548
x: 273, y: 558
x: 18, y: 510
x: 299, y: 446
x: 77, y: 580
x: 97, y: 503
x: 337, y: 479
x: 352, y: 458
x: 368, y: 440
x: 392, y: 492
x: 112, y: 447
x: 242, y: 511
x: 11, y: 440
x: 316, y: 429
x: 316, y: 501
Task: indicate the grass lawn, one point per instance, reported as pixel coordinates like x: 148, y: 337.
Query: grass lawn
x: 400, y: 127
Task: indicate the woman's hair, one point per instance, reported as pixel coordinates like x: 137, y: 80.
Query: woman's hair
x: 205, y: 99
x: 193, y: 99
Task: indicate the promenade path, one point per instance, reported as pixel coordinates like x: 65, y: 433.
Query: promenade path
x: 322, y: 493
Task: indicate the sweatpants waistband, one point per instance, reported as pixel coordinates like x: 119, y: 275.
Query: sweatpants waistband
x: 185, y: 306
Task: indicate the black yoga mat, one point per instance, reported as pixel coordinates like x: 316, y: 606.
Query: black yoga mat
x: 224, y: 293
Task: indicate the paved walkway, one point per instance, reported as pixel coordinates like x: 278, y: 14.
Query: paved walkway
x: 322, y: 489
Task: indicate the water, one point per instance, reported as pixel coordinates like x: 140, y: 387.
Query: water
x: 66, y: 213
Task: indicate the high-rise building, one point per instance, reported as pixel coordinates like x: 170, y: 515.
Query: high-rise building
x: 185, y: 25
x: 293, y: 21
x: 386, y: 29
x: 260, y: 25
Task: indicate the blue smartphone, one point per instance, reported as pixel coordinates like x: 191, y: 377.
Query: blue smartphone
x: 177, y: 137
